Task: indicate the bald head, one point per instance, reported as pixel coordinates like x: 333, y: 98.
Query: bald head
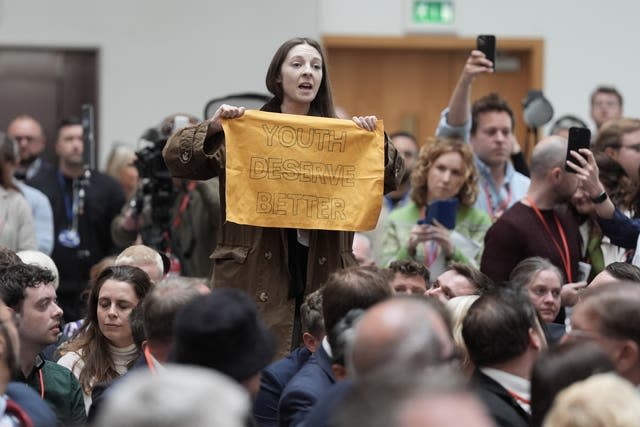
x: 548, y: 154
x: 401, y: 331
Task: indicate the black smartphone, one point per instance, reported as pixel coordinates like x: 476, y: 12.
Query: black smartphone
x: 486, y: 43
x: 578, y: 138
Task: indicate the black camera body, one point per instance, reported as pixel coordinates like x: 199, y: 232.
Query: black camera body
x: 156, y: 191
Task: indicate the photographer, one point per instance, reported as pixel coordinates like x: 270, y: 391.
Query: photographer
x: 177, y: 217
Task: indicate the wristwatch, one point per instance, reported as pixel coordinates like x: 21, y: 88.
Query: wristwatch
x: 600, y: 198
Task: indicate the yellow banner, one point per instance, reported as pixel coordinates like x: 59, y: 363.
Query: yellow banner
x: 295, y: 171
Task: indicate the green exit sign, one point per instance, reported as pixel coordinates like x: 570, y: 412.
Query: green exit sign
x: 432, y: 12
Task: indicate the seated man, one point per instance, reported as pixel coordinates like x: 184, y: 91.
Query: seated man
x: 503, y: 337
x: 610, y: 316
x: 459, y: 280
x: 276, y: 376
x: 347, y: 289
x: 29, y: 291
x: 409, y: 277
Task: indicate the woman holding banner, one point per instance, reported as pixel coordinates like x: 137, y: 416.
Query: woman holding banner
x: 275, y: 266
x: 445, y: 172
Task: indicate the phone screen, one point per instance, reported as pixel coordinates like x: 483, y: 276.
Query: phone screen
x: 578, y: 138
x: 486, y: 43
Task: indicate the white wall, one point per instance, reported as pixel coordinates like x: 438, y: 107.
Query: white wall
x: 163, y: 56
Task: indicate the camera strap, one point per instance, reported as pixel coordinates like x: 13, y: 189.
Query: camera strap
x: 184, y: 202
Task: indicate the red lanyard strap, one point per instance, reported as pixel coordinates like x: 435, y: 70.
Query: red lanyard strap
x: 149, y: 359
x: 564, y: 255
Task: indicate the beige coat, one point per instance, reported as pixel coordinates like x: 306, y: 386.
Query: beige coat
x: 16, y: 223
x: 254, y: 259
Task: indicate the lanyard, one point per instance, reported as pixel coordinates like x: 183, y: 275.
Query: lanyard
x: 564, y: 255
x: 431, y: 248
x: 149, y: 360
x: 501, y: 207
x: 183, y: 204
x: 41, y: 383
x: 519, y: 398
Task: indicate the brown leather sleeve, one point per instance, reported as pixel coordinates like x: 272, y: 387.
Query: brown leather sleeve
x: 393, y: 166
x: 190, y: 154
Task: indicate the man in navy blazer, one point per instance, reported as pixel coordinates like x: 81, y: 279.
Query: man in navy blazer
x: 277, y: 375
x: 507, y: 320
x: 347, y: 289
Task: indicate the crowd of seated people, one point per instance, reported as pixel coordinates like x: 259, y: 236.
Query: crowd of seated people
x: 523, y: 310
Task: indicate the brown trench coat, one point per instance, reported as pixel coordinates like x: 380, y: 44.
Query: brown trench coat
x: 254, y: 259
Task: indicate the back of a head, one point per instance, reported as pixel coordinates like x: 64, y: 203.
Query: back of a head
x: 390, y: 399
x: 603, y: 400
x: 142, y: 256
x: 502, y: 318
x: 353, y: 287
x: 616, y: 308
x: 311, y: 318
x: 549, y: 153
x: 8, y: 257
x: 558, y: 368
x: 565, y: 122
x: 178, y: 396
x: 624, y: 271
x: 223, y: 331
x: 162, y: 304
x: 41, y: 260
x: 403, y: 333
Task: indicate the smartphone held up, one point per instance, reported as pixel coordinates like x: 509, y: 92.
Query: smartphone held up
x: 486, y: 43
x: 578, y: 138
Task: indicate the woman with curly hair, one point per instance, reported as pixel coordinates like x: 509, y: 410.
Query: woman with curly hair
x: 445, y: 170
x: 104, y: 347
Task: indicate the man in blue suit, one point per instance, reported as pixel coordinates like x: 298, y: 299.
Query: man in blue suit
x: 277, y: 375
x: 351, y: 288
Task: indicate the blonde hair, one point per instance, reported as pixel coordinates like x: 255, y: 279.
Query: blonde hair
x: 140, y: 255
x: 603, y: 400
x: 429, y: 153
x: 458, y: 308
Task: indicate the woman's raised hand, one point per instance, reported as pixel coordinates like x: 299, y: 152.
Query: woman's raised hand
x: 365, y: 122
x: 223, y: 112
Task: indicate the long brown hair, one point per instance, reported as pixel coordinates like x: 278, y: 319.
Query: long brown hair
x: 322, y: 104
x: 429, y: 153
x: 90, y: 343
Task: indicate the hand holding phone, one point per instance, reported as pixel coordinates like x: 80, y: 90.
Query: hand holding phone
x: 486, y: 43
x: 578, y: 138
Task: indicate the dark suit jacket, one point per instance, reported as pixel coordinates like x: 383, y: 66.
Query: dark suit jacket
x: 321, y: 415
x: 503, y: 408
x: 272, y: 382
x: 305, y: 388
